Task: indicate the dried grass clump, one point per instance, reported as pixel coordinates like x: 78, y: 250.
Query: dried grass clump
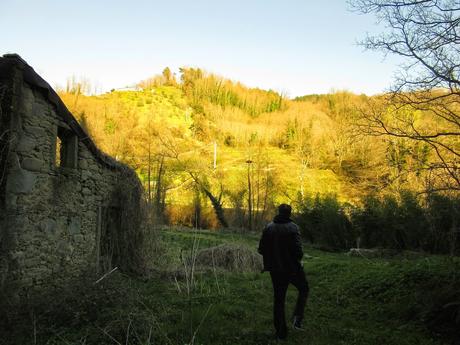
x: 230, y: 257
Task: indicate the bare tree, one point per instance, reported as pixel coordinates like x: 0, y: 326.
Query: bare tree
x: 198, y: 174
x: 424, y: 102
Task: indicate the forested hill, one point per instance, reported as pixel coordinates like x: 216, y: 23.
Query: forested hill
x: 245, y: 145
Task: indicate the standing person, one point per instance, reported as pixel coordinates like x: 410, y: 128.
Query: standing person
x: 281, y: 248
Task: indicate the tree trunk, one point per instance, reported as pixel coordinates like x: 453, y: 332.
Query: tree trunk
x: 249, y: 196
x: 216, y: 202
x: 158, y: 190
x: 217, y: 205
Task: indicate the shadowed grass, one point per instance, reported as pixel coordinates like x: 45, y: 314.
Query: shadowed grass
x: 353, y: 301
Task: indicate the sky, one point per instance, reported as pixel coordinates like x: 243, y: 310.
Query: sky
x: 296, y: 47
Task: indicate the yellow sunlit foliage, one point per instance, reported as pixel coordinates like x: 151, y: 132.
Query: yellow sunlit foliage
x: 206, y: 134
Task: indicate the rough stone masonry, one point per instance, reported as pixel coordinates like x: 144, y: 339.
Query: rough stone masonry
x: 57, y: 209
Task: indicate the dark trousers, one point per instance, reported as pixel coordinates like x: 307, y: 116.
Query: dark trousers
x: 281, y: 281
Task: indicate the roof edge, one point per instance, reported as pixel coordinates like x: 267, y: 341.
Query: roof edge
x: 35, y: 80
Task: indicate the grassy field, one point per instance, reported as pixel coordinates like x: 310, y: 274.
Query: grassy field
x: 352, y: 301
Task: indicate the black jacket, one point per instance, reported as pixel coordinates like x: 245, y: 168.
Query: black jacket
x: 281, y: 247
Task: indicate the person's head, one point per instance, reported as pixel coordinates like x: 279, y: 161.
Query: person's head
x: 284, y: 210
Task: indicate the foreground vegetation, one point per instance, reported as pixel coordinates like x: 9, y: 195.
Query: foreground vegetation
x: 354, y: 300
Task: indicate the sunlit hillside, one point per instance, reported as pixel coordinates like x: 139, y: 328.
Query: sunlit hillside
x: 244, y: 146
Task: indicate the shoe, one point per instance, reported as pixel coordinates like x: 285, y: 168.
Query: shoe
x: 278, y: 338
x: 297, y: 324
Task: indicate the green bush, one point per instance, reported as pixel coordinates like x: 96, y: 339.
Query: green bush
x: 402, y: 222
x: 443, y: 216
x: 390, y: 222
x: 323, y: 221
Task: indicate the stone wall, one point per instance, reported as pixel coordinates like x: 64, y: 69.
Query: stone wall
x: 51, y: 218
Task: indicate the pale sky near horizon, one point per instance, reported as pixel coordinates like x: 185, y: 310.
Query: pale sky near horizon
x: 292, y: 46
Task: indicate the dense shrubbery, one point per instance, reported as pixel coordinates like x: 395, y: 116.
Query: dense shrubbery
x: 200, y: 87
x: 405, y: 222
x: 323, y: 220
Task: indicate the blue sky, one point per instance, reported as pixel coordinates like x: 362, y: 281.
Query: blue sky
x: 292, y: 46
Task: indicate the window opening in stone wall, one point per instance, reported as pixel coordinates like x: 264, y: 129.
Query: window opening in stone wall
x: 66, y: 149
x: 57, y: 160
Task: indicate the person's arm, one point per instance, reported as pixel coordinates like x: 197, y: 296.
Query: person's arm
x: 298, y: 252
x: 262, y: 241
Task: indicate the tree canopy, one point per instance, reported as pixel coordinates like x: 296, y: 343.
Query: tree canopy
x: 424, y: 103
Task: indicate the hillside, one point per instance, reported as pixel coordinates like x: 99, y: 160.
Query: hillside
x: 268, y: 149
x: 112, y: 119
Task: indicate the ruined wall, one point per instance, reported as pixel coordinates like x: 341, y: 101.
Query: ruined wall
x: 51, y: 214
x: 6, y: 98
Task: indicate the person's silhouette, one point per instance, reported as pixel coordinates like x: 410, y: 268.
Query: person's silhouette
x: 281, y: 248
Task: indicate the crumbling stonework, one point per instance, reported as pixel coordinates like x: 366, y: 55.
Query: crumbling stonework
x: 56, y: 203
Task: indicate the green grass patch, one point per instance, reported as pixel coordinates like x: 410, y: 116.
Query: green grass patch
x: 352, y: 301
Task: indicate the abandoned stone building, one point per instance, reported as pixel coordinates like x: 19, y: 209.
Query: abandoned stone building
x: 65, y: 206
